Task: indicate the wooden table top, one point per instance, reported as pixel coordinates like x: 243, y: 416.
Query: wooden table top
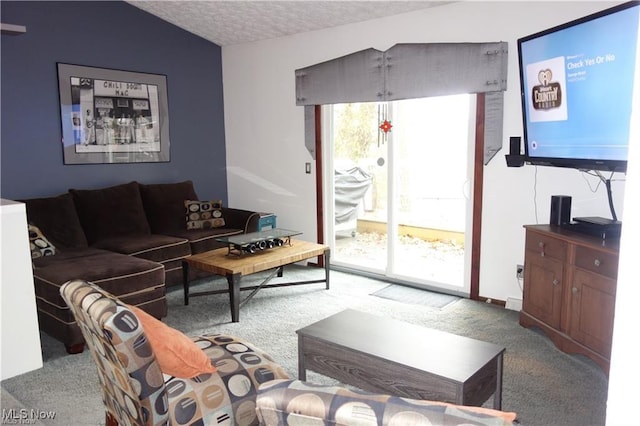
x: 220, y: 262
x: 437, y: 352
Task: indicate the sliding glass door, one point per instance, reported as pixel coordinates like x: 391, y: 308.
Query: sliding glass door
x: 398, y: 189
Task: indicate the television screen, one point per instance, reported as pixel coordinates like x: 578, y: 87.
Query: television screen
x: 578, y: 82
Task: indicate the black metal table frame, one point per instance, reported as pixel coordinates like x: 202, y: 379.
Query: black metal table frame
x: 234, y: 288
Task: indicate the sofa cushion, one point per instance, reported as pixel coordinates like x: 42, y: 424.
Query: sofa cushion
x: 117, y: 273
x: 204, y: 214
x: 158, y: 248
x: 135, y: 281
x: 164, y: 249
x: 110, y: 212
x: 39, y: 244
x: 57, y: 218
x: 177, y: 354
x: 164, y: 204
x: 202, y: 240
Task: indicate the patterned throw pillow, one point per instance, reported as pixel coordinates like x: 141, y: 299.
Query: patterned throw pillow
x: 39, y: 245
x: 204, y: 214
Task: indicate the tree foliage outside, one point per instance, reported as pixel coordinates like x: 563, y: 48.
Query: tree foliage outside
x: 355, y: 129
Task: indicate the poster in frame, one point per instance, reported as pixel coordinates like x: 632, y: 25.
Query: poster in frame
x: 113, y: 116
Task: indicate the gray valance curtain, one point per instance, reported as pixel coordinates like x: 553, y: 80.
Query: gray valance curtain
x: 407, y: 71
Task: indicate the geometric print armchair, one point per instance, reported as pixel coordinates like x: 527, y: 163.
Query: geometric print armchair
x: 134, y: 389
x: 292, y: 402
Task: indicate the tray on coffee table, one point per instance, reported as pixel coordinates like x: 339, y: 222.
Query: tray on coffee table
x: 257, y: 241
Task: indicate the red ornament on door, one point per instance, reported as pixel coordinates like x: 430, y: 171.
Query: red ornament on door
x: 386, y: 126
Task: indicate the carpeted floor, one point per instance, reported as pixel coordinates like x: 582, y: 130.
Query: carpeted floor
x: 543, y: 385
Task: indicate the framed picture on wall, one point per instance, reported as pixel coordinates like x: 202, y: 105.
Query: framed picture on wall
x: 113, y: 116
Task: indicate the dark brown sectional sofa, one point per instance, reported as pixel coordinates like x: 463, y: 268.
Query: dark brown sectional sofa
x: 129, y: 239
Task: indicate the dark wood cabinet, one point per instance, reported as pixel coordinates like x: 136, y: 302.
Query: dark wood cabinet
x: 543, y: 295
x: 570, y: 289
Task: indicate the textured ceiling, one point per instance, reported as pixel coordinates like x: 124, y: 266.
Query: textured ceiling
x: 233, y: 22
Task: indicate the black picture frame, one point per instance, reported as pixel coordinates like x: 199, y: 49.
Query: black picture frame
x: 113, y: 116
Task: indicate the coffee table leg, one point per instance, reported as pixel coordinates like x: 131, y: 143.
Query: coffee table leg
x: 234, y: 296
x: 185, y: 281
x: 497, y: 397
x: 327, y: 257
x: 302, y: 372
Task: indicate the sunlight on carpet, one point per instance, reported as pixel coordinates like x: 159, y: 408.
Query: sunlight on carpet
x: 415, y: 296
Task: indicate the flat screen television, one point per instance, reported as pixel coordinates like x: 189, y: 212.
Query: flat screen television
x: 578, y: 82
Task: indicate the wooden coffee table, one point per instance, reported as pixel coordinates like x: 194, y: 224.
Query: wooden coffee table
x: 234, y: 267
x: 383, y: 355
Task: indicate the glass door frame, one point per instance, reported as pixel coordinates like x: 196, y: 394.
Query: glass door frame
x: 390, y: 271
x: 325, y: 209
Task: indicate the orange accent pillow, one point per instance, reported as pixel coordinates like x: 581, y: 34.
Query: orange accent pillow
x: 176, y: 353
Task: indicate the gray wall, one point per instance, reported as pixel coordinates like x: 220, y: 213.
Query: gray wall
x: 109, y: 35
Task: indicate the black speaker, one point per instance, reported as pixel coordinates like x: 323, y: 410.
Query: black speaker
x: 514, y: 145
x: 514, y: 158
x: 560, y: 210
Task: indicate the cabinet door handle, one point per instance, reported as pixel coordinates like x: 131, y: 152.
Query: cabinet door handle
x: 541, y: 245
x: 556, y: 281
x: 574, y: 290
x: 596, y: 262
